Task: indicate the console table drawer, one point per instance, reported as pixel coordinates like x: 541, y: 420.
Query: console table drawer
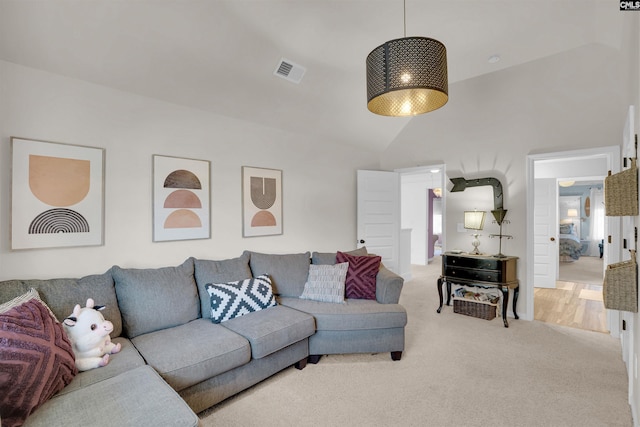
x: 481, y: 263
x: 473, y: 274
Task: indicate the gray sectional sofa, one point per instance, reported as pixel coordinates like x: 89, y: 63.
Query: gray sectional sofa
x: 175, y: 362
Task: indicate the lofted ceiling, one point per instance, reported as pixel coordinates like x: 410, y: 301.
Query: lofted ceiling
x: 220, y: 55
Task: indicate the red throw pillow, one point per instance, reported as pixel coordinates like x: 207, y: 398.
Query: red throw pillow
x: 36, y: 359
x: 361, y: 275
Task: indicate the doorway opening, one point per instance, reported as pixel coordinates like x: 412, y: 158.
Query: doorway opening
x: 422, y: 212
x: 566, y: 237
x: 576, y: 299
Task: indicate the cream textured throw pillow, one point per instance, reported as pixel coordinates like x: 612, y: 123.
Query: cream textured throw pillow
x: 326, y: 283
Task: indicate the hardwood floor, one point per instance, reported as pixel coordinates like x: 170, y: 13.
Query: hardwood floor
x: 574, y: 304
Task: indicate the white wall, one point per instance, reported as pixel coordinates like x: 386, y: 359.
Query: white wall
x: 318, y: 177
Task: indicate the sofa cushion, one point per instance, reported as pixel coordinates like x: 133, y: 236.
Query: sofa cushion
x: 125, y: 360
x: 354, y: 314
x: 61, y: 295
x: 223, y: 271
x: 36, y: 358
x: 135, y: 398
x: 288, y: 272
x: 235, y: 299
x: 272, y: 329
x: 193, y: 352
x: 153, y: 299
x: 361, y: 276
x: 330, y: 257
x: 326, y: 283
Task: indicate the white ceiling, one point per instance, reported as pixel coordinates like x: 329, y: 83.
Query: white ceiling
x: 220, y: 56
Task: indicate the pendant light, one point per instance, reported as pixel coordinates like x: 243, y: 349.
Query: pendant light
x: 407, y: 76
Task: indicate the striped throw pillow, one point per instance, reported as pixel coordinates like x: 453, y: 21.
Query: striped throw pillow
x: 326, y: 283
x: 361, y: 276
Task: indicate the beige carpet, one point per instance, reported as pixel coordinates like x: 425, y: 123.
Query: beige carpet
x: 456, y: 371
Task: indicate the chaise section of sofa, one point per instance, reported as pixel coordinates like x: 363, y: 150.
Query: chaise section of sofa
x: 138, y: 397
x: 126, y: 391
x: 355, y: 326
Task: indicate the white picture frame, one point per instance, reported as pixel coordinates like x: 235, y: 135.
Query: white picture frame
x: 57, y: 194
x: 261, y: 202
x: 181, y: 198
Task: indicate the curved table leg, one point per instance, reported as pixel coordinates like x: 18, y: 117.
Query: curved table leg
x: 440, y: 293
x: 505, y: 304
x: 516, y: 292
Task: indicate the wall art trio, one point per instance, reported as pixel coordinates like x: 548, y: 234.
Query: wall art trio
x: 57, y: 197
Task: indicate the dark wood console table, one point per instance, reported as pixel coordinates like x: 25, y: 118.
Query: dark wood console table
x: 481, y: 270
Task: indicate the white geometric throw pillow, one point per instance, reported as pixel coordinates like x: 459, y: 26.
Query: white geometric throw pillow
x: 234, y: 299
x: 326, y: 283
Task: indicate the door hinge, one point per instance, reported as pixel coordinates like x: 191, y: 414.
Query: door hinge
x: 609, y: 239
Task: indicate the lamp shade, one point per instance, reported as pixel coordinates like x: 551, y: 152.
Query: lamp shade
x: 407, y: 76
x: 572, y: 213
x: 474, y: 220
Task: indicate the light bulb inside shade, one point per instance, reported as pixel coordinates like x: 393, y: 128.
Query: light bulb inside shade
x: 405, y: 78
x: 407, y: 108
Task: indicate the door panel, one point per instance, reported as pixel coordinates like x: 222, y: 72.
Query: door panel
x: 545, y: 236
x: 378, y: 215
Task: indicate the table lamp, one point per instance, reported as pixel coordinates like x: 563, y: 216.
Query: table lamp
x: 474, y: 220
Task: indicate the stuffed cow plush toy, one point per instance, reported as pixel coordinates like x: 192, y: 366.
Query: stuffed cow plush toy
x: 89, y: 334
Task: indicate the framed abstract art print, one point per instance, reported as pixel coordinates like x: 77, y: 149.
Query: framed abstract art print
x: 181, y: 202
x: 57, y: 195
x: 261, y: 201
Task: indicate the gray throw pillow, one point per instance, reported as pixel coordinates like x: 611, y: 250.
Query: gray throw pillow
x: 154, y: 299
x: 330, y: 257
x: 288, y: 272
x: 326, y: 283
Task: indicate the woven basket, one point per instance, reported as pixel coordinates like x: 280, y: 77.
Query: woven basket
x: 620, y: 286
x: 621, y: 192
x: 479, y: 309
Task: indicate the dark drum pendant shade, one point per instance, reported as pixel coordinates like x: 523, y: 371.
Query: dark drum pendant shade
x: 407, y: 76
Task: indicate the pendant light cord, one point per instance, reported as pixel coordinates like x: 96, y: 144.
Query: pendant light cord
x: 404, y: 8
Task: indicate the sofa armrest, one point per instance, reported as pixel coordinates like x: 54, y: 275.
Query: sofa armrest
x: 388, y: 286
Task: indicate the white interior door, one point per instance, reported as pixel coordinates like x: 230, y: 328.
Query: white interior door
x: 545, y: 233
x: 378, y: 215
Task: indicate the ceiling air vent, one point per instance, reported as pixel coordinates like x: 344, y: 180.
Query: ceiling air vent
x: 290, y: 71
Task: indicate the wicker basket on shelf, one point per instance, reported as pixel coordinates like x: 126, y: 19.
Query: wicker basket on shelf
x: 479, y: 309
